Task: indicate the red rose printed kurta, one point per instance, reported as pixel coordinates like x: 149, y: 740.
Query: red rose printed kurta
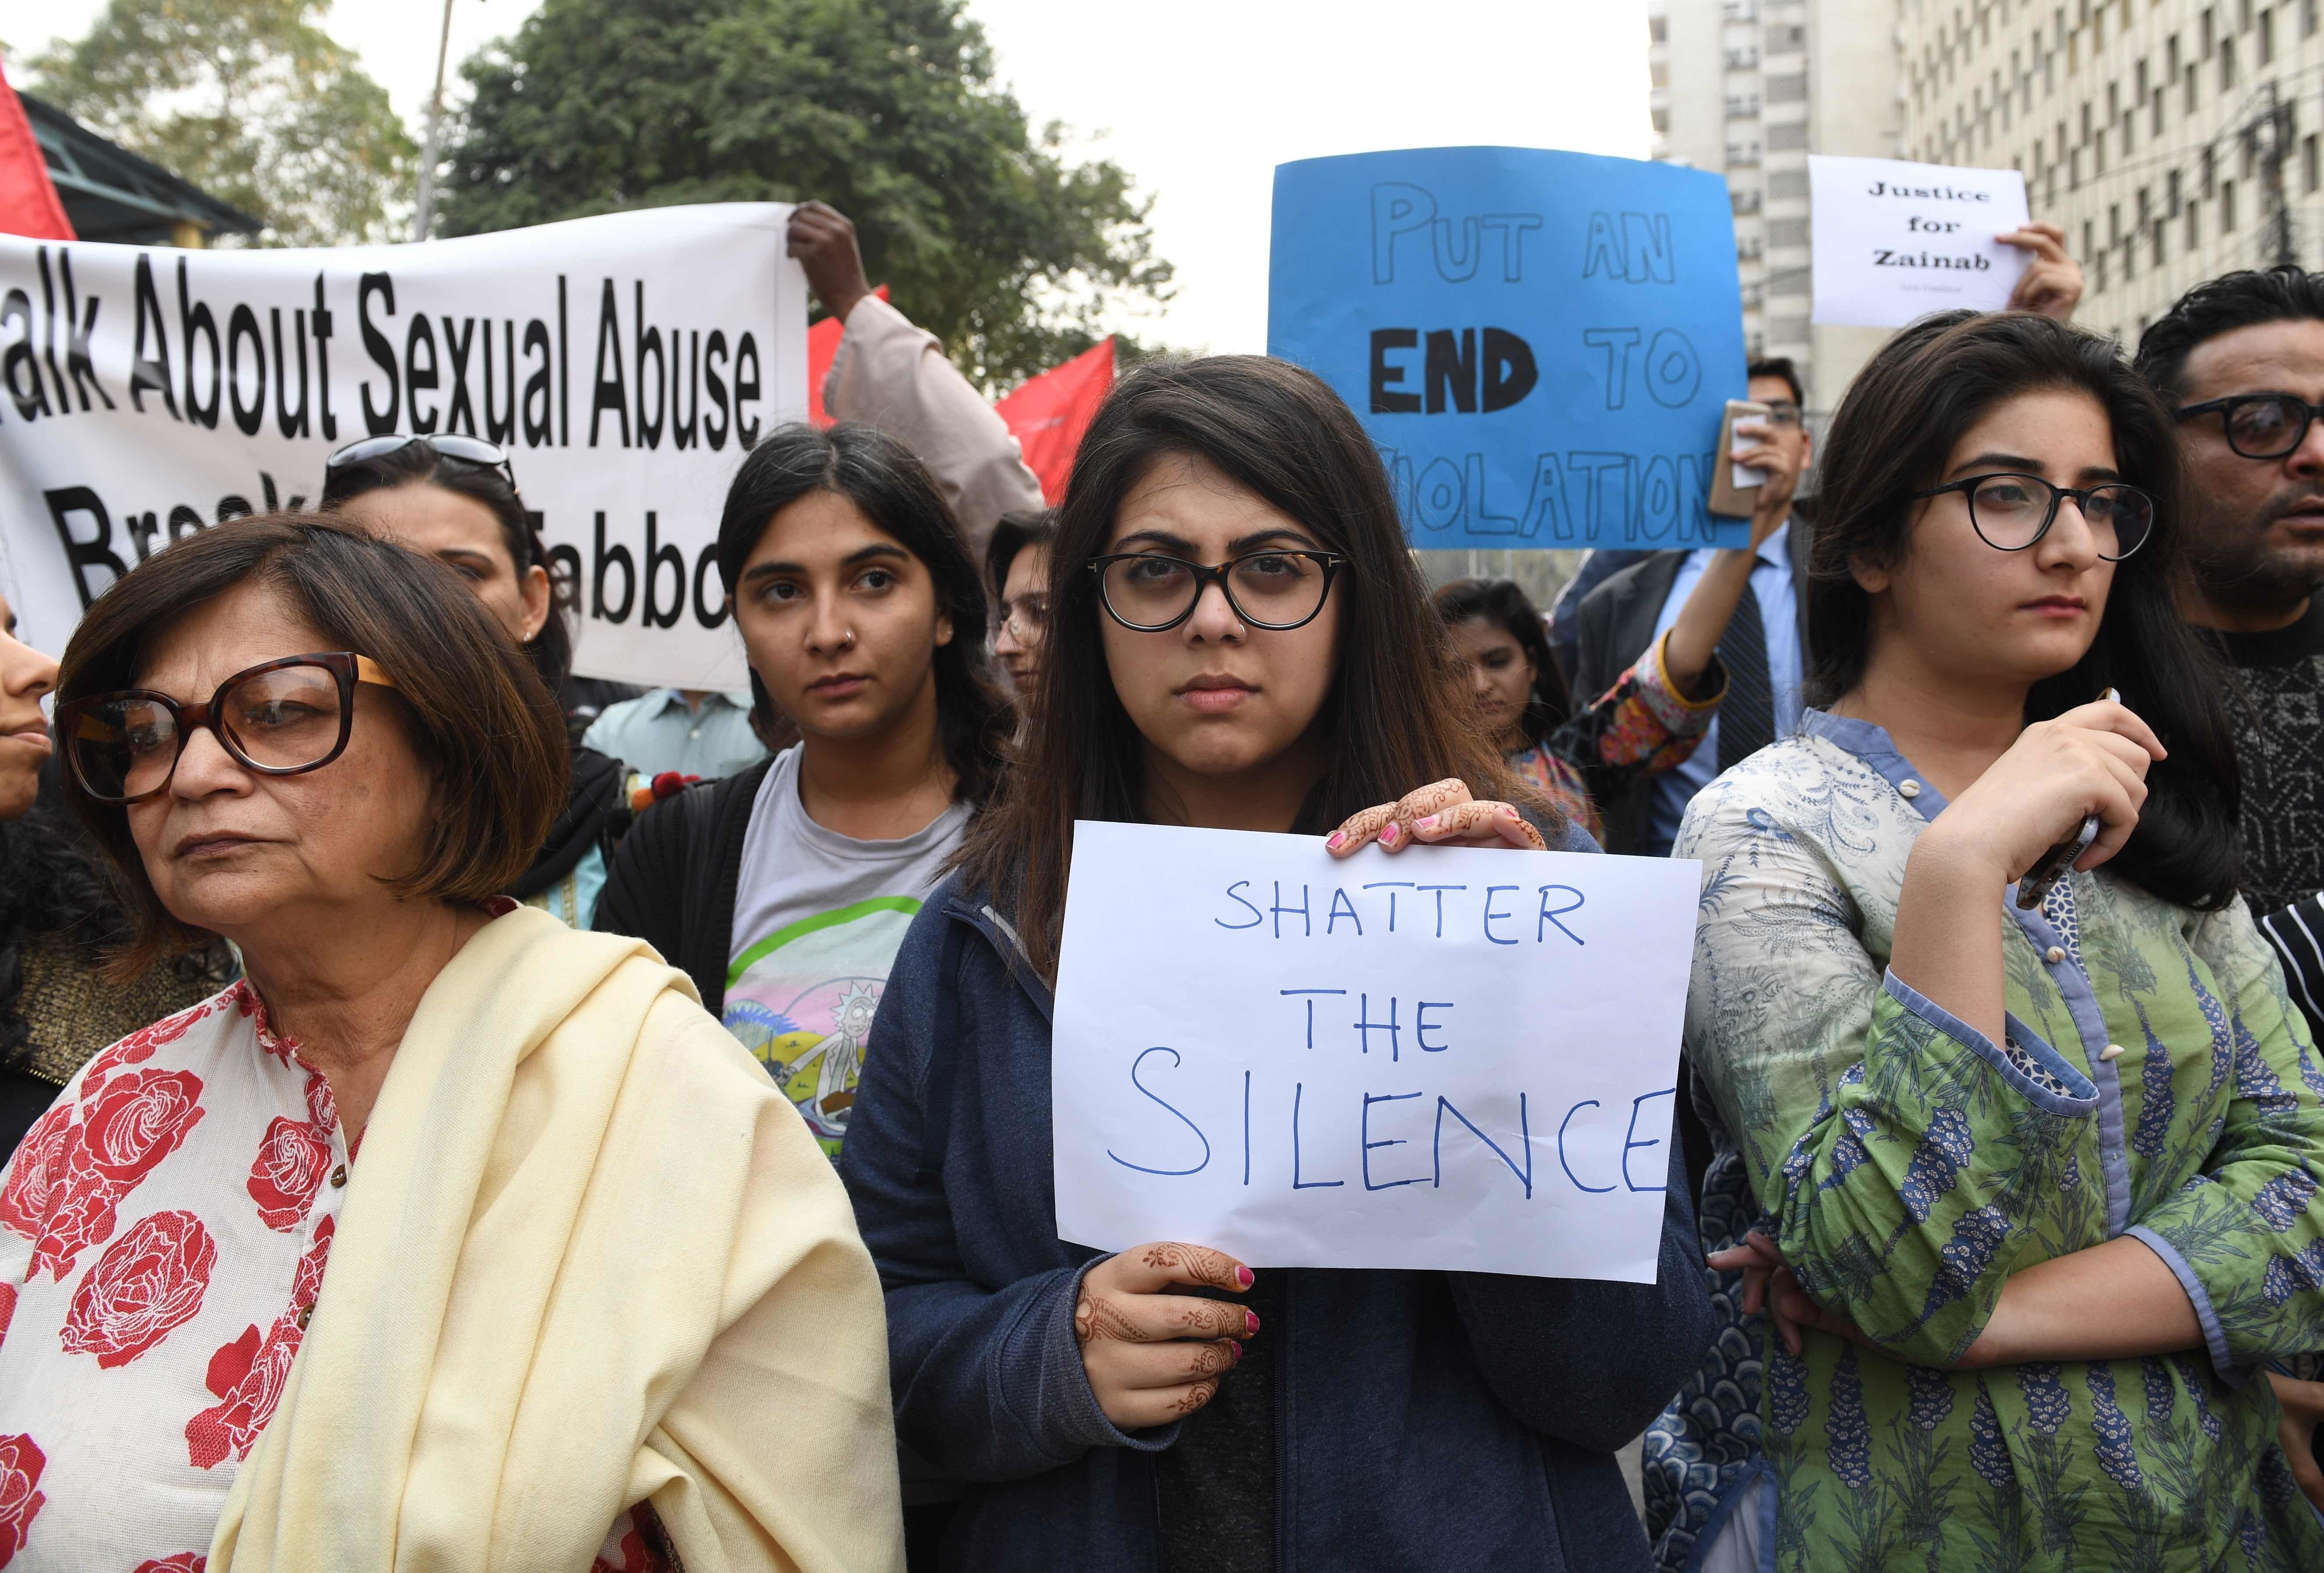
x: 163, y: 1233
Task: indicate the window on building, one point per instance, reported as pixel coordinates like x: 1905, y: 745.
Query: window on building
x: 2227, y: 206
x: 1658, y: 28
x: 2155, y: 232
x: 2090, y: 238
x: 2227, y: 63
x: 2308, y: 18
x: 2192, y: 88
x: 2194, y: 225
x: 2309, y: 174
x: 2266, y: 37
x: 2243, y: 15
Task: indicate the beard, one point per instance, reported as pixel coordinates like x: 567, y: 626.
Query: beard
x: 2237, y: 564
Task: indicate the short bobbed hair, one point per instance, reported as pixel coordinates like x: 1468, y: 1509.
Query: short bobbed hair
x: 473, y: 704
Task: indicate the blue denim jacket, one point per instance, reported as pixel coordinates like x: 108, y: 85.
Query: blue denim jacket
x: 1425, y: 1421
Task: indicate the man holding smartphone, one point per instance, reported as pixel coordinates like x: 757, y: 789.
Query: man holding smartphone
x: 1766, y: 640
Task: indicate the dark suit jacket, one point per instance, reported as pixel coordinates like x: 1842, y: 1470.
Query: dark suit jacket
x: 1618, y: 626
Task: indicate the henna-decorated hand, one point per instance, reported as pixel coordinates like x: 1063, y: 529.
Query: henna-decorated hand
x: 1152, y: 1358
x: 1442, y: 813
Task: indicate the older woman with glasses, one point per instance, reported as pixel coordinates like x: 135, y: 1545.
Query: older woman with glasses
x: 450, y: 1236
x: 2019, y: 1138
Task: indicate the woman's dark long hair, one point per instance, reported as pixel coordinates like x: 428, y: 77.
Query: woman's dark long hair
x: 878, y: 474
x: 1505, y: 605
x: 1891, y: 437
x: 419, y: 464
x: 1394, y: 719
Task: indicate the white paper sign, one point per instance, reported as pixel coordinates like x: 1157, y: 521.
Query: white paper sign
x: 626, y: 362
x: 1894, y: 241
x: 1454, y: 1058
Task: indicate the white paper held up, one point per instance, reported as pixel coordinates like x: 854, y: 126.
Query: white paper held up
x: 1894, y: 241
x: 1452, y: 1058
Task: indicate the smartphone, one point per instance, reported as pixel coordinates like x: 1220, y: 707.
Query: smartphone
x: 1734, y: 487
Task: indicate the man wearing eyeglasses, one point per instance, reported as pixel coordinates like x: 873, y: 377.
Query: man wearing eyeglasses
x: 2240, y: 360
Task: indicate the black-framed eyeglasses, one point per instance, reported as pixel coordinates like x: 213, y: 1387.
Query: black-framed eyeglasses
x: 1782, y: 413
x: 280, y: 717
x: 2010, y: 513
x: 1150, y: 593
x: 2259, y: 425
x: 451, y: 445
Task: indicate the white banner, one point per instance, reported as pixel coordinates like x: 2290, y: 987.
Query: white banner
x: 1454, y: 1058
x: 626, y: 362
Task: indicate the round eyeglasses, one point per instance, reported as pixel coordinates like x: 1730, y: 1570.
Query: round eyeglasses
x: 2010, y: 513
x: 1150, y: 593
x: 2259, y: 425
x: 281, y: 718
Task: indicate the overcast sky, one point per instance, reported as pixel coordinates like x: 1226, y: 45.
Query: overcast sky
x: 1198, y: 99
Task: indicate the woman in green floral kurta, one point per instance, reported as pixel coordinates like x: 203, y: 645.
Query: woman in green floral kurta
x: 2042, y: 1183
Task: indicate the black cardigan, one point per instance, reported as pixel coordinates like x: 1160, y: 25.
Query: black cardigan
x: 671, y: 881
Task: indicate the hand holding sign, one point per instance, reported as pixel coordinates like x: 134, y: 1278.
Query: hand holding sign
x: 1151, y: 1356
x: 1442, y: 813
x: 2052, y: 284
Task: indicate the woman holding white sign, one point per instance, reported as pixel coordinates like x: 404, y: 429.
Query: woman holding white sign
x: 1238, y: 641
x: 1988, y: 1040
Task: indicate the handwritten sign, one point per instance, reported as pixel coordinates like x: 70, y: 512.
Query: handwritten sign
x: 1894, y: 241
x: 1454, y: 1058
x: 1540, y: 343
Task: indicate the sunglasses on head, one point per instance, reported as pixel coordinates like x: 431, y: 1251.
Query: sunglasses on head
x: 473, y: 450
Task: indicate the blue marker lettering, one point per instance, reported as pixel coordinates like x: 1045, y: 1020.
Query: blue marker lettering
x: 1366, y: 1026
x: 1190, y: 1124
x: 1440, y: 890
x: 1306, y: 926
x: 1421, y: 1024
x: 1524, y: 1133
x: 1297, y: 1089
x: 1630, y: 1140
x: 1491, y: 890
x: 1391, y: 886
x: 1370, y: 1099
x: 1311, y: 1008
x: 1540, y: 929
x: 1562, y: 1164
x: 1246, y: 1127
x: 1257, y: 917
x: 1339, y: 902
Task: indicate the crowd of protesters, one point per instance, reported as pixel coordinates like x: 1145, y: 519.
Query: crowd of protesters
x: 649, y: 1093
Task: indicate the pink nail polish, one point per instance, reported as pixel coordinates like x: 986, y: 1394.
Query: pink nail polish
x: 1251, y: 1318
x: 1427, y: 823
x: 1334, y: 840
x: 1237, y: 1350
x: 1242, y: 1277
x: 1387, y: 836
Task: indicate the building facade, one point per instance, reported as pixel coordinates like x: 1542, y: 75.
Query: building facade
x: 2174, y: 139
x: 1749, y: 89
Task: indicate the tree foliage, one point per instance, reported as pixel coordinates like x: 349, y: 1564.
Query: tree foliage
x: 250, y: 100
x: 990, y: 236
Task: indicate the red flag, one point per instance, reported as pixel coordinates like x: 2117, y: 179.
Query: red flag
x: 822, y: 349
x: 28, y: 198
x: 1048, y: 414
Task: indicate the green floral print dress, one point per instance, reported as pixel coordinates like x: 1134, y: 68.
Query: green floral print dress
x: 2154, y: 1081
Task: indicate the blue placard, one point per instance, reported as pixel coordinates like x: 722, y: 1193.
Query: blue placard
x: 1542, y: 344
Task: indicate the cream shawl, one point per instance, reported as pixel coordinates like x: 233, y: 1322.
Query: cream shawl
x: 589, y: 1258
